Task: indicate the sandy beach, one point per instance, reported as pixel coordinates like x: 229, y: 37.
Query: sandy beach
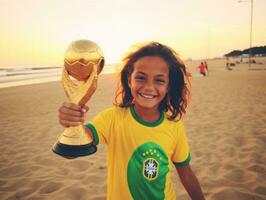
x: 225, y: 122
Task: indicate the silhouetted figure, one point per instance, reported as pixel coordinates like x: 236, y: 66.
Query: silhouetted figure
x: 228, y: 64
x: 202, y: 69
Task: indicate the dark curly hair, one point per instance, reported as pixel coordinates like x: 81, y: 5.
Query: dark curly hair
x: 176, y: 100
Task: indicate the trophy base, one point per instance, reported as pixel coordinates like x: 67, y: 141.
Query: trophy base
x: 73, y: 151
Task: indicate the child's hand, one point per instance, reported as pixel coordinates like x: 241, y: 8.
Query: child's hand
x: 71, y: 114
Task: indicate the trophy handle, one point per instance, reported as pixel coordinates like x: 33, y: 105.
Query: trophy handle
x: 92, y: 84
x: 90, y: 92
x: 74, y: 91
x: 101, y: 65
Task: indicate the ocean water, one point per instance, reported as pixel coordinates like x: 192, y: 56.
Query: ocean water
x: 10, y: 77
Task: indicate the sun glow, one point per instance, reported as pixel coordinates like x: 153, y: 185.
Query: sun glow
x: 37, y: 33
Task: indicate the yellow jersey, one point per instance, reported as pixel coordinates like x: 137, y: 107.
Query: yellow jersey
x: 140, y: 154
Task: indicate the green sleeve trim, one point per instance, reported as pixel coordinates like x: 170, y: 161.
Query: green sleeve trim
x: 184, y: 163
x: 94, y: 133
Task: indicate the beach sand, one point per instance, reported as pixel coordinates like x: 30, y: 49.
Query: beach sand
x: 226, y: 129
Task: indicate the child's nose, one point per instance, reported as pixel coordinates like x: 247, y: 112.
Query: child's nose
x: 149, y: 85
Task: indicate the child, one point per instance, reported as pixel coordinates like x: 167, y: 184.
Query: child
x: 202, y: 69
x: 143, y: 131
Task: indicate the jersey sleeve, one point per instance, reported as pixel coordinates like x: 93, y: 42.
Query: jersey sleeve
x: 181, y: 155
x: 100, y: 126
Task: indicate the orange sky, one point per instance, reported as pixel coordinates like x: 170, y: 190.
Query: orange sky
x: 37, y: 32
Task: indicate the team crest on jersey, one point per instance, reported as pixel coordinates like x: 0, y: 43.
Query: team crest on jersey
x: 150, y: 168
x: 147, y: 172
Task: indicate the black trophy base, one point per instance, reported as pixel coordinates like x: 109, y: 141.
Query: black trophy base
x: 73, y: 151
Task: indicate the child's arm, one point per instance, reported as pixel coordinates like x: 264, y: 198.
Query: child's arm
x: 190, y: 182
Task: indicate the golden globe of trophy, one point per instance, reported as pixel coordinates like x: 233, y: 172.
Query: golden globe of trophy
x: 83, y: 62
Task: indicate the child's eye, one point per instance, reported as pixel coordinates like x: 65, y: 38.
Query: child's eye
x: 160, y: 81
x: 140, y: 78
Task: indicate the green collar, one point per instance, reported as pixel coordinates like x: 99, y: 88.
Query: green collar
x: 150, y: 124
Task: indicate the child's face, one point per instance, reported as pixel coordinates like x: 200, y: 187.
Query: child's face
x: 149, y: 81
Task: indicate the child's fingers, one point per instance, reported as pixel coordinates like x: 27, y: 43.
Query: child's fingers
x: 67, y: 123
x: 68, y: 111
x: 84, y: 108
x: 71, y: 117
x: 72, y: 106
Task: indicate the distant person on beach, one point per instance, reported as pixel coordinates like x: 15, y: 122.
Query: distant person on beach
x: 228, y: 64
x: 202, y: 69
x: 143, y: 131
x: 206, y: 67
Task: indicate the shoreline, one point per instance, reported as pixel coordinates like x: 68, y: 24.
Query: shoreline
x: 35, y: 81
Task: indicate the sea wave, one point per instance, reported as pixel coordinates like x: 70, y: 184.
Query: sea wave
x: 10, y: 77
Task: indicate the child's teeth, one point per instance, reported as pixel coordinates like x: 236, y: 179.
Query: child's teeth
x: 147, y: 96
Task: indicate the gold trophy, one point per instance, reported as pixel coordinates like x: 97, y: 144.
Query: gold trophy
x: 82, y: 63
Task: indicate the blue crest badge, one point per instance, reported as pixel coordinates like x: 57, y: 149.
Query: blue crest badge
x: 150, y: 168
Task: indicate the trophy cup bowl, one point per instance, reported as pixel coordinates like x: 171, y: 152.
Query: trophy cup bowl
x: 83, y: 61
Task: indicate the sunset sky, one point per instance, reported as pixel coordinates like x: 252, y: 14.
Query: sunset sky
x: 37, y: 32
